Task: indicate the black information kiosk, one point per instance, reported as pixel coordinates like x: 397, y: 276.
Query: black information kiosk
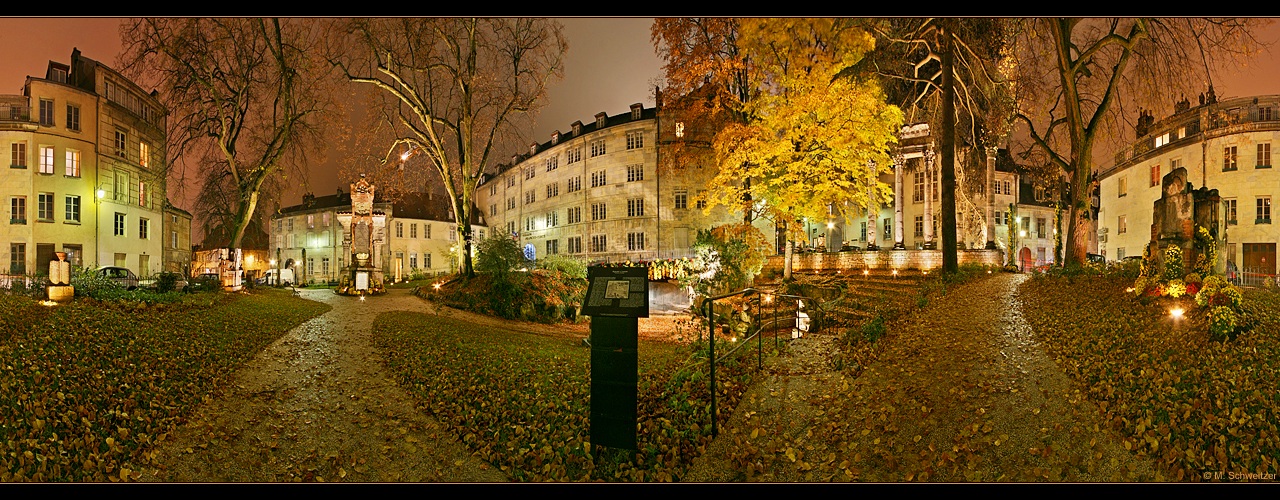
x: 616, y: 298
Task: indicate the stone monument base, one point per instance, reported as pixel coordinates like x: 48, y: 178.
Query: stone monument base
x: 61, y: 293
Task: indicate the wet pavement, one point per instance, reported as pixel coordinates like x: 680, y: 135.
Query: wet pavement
x: 318, y: 405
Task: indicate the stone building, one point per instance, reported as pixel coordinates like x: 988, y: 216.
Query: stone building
x: 604, y: 191
x: 86, y: 174
x: 1223, y: 145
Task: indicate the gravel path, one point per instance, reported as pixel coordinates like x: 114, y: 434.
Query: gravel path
x: 963, y: 393
x: 317, y: 405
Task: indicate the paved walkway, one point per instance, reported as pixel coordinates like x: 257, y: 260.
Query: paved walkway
x: 317, y: 405
x: 962, y: 393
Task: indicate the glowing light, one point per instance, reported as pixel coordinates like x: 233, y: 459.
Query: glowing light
x: 48, y: 303
x: 1022, y: 234
x: 768, y: 298
x: 895, y: 273
x: 1176, y: 312
x: 866, y: 272
x: 102, y: 194
x: 831, y: 225
x: 362, y: 298
x: 1129, y: 290
x: 435, y: 286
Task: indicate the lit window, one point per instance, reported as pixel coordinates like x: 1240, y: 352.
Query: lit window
x: 73, y: 163
x: 46, y: 159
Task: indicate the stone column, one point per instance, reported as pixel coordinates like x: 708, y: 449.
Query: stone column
x: 989, y: 231
x: 872, y: 214
x: 899, y: 163
x: 928, y: 197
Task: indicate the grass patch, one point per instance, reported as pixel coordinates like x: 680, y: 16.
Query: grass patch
x: 522, y: 402
x: 88, y: 388
x: 1189, y: 402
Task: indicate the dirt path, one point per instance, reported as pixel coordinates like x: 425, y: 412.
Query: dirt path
x: 962, y: 393
x: 317, y: 405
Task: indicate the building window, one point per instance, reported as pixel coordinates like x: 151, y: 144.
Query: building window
x: 635, y: 173
x: 493, y: 209
x: 119, y: 225
x: 311, y: 221
x: 511, y: 203
x: 553, y: 219
x: 598, y: 178
x: 73, y: 118
x: 1264, y: 210
x: 1229, y: 158
x: 919, y: 226
x: 511, y: 228
x: 493, y: 190
x: 1123, y: 188
x: 44, y: 207
x: 553, y: 189
x: 46, y: 159
x: 1264, y: 155
x: 917, y: 187
x: 635, y: 242
x: 73, y: 163
x: 701, y: 201
x: 635, y: 140
x: 1265, y: 113
x: 413, y: 230
x: 324, y: 219
x: 17, y: 258
x: 413, y: 260
x: 573, y: 155
x: 46, y: 112
x: 18, y: 210
x: 529, y: 173
x: 1155, y: 175
x: 144, y: 228
x: 73, y: 208
x: 552, y: 163
x: 863, y: 234
x: 120, y: 142
x: 529, y: 197
x: 1122, y: 225
x: 574, y: 244
x: 528, y: 223
x: 682, y: 199
x: 574, y: 184
x: 575, y: 215
x: 599, y: 243
x: 399, y: 229
x: 1229, y: 211
x: 597, y: 148
x: 598, y: 211
x: 144, y: 154
x: 289, y: 224
x: 426, y: 228
x: 142, y: 194
x: 511, y: 180
x: 426, y: 261
x: 18, y: 155
x: 324, y: 265
x: 635, y: 207
x: 1040, y: 228
x: 173, y: 239
x: 553, y: 247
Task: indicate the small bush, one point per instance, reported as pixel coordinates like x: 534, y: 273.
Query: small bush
x: 874, y: 329
x: 1173, y: 267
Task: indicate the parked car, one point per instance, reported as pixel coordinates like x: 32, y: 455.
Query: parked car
x: 269, y: 277
x: 179, y: 281
x: 206, y: 282
x: 1097, y: 258
x: 121, y: 275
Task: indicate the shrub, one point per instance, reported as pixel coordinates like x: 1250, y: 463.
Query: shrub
x: 1222, y: 323
x: 166, y: 282
x: 565, y: 264
x: 874, y: 329
x: 1175, y: 288
x: 1193, y: 278
x: 498, y: 255
x: 88, y: 283
x: 1173, y: 268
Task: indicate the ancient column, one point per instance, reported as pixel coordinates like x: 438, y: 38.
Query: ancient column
x: 928, y: 197
x: 989, y: 230
x: 871, y: 207
x: 899, y: 163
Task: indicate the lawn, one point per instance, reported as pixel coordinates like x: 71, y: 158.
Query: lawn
x: 522, y: 401
x: 1191, y: 403
x: 85, y: 386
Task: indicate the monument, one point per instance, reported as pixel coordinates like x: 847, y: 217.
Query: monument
x: 1177, y: 216
x: 363, y: 239
x: 60, y: 289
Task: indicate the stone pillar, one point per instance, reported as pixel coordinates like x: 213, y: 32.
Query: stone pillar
x: 928, y: 198
x: 989, y: 231
x: 899, y: 163
x: 872, y: 212
x: 60, y: 289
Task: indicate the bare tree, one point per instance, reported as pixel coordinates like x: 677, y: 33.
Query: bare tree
x: 452, y: 89
x: 246, y: 99
x: 1075, y: 76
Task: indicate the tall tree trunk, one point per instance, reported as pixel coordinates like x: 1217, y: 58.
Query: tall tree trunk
x: 950, y: 260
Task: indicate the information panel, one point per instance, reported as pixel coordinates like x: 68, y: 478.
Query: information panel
x: 617, y: 291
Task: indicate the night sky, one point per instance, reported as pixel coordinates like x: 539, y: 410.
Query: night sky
x: 611, y: 65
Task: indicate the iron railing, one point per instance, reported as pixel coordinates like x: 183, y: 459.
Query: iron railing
x: 1250, y: 276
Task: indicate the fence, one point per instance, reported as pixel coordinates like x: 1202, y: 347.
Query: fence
x: 779, y: 311
x: 1250, y: 276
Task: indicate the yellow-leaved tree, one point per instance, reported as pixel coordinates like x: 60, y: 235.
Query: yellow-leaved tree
x: 815, y: 142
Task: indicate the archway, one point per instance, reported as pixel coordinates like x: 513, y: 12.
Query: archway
x: 1025, y: 261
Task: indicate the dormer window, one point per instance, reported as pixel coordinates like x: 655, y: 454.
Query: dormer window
x: 601, y: 119
x: 555, y: 137
x: 635, y: 111
x: 577, y: 128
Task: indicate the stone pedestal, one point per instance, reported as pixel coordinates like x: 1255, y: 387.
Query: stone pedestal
x: 60, y: 289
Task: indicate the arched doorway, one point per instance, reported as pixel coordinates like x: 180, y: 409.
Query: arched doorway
x: 1025, y: 261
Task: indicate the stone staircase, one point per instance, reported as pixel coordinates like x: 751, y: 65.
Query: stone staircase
x: 848, y: 299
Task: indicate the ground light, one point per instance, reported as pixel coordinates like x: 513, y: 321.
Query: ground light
x: 1176, y: 313
x: 435, y: 286
x: 362, y: 298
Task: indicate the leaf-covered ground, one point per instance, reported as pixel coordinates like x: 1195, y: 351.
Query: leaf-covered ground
x: 85, y: 388
x: 521, y: 401
x: 1191, y: 404
x: 960, y: 391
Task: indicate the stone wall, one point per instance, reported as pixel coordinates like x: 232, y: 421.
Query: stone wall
x: 885, y: 259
